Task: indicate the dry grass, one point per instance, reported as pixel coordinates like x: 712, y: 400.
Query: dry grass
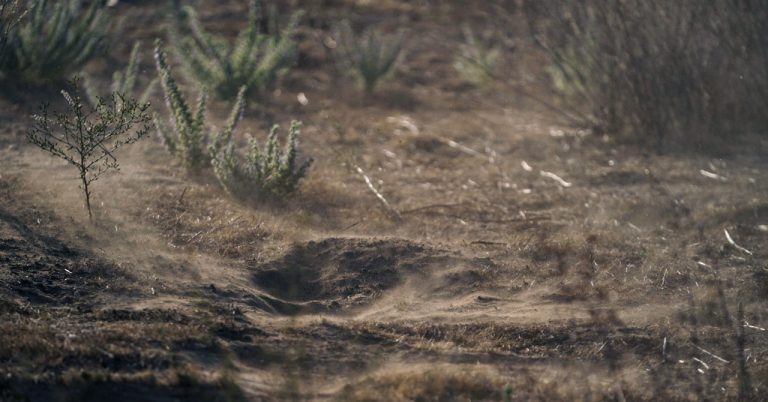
x: 653, y: 71
x: 433, y: 383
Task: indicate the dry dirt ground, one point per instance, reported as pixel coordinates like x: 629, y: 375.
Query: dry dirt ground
x: 487, y: 279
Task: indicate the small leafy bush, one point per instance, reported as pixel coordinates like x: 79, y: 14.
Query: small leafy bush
x: 476, y: 61
x: 124, y: 81
x: 370, y: 56
x: 53, y: 41
x: 255, y: 60
x: 189, y: 138
x: 263, y: 173
x: 88, y: 137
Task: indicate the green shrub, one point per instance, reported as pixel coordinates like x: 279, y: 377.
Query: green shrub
x: 189, y: 138
x: 264, y: 173
x: 652, y: 70
x: 123, y: 82
x: 53, y: 41
x: 370, y: 56
x: 477, y: 62
x: 88, y: 137
x: 255, y: 60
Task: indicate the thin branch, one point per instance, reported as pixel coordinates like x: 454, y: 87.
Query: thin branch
x: 381, y: 198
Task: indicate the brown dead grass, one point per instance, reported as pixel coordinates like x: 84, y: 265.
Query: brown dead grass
x: 440, y: 382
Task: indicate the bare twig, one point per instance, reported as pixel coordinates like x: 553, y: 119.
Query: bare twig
x: 697, y: 360
x: 557, y: 178
x: 381, y: 198
x: 746, y: 324
x: 467, y: 150
x: 431, y: 206
x: 711, y: 175
x: 352, y: 225
x: 181, y: 197
x: 733, y: 243
x: 711, y: 354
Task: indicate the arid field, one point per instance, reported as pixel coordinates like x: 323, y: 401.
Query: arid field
x: 451, y: 240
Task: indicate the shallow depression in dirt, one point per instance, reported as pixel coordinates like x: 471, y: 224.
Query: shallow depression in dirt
x: 338, y: 273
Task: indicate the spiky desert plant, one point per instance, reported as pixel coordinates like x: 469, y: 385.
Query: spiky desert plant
x: 88, y: 137
x: 54, y: 40
x: 369, y: 56
x: 255, y: 59
x: 124, y: 81
x: 476, y: 61
x: 189, y: 138
x: 264, y: 173
x: 221, y: 139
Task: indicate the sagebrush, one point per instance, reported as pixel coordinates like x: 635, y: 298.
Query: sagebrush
x: 53, y: 41
x: 88, y: 137
x: 255, y: 60
x: 267, y: 172
x: 370, y: 56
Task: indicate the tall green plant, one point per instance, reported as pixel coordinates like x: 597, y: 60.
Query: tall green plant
x: 54, y: 41
x: 370, y: 56
x: 189, y: 138
x: 124, y: 81
x: 255, y: 60
x: 263, y: 173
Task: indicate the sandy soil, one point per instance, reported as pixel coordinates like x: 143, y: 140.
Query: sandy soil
x: 487, y: 278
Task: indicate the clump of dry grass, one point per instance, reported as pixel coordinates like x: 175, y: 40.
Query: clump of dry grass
x: 433, y: 383
x: 197, y: 218
x: 655, y: 70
